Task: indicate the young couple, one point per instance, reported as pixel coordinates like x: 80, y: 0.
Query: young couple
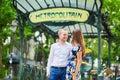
x: 65, y: 59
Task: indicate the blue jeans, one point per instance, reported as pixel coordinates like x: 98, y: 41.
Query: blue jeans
x: 57, y: 74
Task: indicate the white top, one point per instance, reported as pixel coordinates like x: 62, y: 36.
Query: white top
x: 58, y: 56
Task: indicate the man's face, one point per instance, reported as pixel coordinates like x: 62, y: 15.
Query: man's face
x: 63, y: 35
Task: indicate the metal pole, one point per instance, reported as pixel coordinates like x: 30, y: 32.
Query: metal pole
x: 99, y: 44
x: 21, y: 28
x: 99, y: 53
x: 109, y: 51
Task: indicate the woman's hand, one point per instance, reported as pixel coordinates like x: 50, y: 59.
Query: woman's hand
x: 74, y: 76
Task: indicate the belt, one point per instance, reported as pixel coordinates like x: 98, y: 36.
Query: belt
x: 58, y: 67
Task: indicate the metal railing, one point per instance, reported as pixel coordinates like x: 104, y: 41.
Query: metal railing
x: 33, y: 73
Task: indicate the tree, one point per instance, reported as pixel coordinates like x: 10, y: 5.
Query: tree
x: 7, y: 14
x: 113, y: 8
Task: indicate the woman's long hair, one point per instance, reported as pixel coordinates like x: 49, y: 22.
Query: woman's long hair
x: 78, y: 38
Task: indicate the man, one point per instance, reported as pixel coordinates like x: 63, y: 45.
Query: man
x: 59, y: 53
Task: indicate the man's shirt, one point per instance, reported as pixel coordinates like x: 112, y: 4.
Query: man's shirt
x: 58, y: 56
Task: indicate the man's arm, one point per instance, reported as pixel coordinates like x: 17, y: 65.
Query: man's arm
x: 50, y: 59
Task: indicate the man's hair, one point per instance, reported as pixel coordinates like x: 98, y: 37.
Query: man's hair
x: 60, y: 30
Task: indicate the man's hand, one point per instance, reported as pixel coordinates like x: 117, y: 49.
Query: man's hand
x: 48, y: 75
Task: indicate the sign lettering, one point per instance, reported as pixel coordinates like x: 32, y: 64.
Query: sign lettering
x: 59, y: 14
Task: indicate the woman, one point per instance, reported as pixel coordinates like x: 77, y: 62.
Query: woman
x: 75, y: 60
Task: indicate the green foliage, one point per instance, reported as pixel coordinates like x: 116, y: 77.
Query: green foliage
x: 7, y: 14
x: 113, y: 7
x: 28, y: 31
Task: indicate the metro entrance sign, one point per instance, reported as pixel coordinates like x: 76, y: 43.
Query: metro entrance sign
x: 59, y: 14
